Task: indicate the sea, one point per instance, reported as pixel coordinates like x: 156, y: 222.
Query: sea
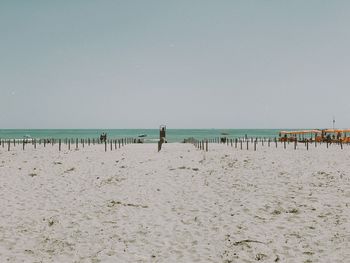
x: 148, y: 135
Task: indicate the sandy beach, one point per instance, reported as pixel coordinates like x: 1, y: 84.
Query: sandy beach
x: 179, y: 205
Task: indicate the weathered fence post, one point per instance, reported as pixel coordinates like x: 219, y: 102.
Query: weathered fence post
x: 255, y: 144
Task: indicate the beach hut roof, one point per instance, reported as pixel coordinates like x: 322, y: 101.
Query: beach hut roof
x: 300, y: 132
x: 336, y: 130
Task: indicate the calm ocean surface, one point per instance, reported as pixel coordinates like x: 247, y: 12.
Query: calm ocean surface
x: 173, y: 135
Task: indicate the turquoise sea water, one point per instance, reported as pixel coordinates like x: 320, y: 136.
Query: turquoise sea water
x: 173, y: 135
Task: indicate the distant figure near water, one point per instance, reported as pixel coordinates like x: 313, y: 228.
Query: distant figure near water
x: 162, y: 136
x: 103, y: 137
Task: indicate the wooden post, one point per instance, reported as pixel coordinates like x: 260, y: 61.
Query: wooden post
x: 23, y: 144
x: 247, y: 144
x: 255, y: 145
x: 115, y: 144
x: 105, y: 145
x: 295, y: 144
x: 59, y: 144
x: 34, y: 143
x: 8, y: 145
x: 119, y: 143
x: 276, y: 142
x: 76, y: 143
x: 268, y: 142
x: 44, y: 142
x: 284, y: 143
x: 83, y: 142
x: 307, y: 145
x: 111, y: 145
x: 341, y: 145
x: 241, y: 144
x: 206, y: 146
x: 14, y: 142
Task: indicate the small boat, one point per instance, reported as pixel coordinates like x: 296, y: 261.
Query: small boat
x: 142, y: 135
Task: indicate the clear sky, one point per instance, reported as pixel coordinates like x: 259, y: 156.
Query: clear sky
x: 187, y: 64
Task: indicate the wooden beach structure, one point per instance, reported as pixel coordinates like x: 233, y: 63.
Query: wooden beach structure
x: 335, y: 135
x: 299, y: 135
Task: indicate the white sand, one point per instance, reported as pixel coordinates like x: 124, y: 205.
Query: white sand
x: 138, y: 205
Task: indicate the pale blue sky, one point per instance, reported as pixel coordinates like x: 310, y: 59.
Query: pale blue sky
x: 188, y: 64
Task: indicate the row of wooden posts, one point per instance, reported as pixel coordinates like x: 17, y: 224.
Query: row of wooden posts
x: 201, y: 145
x: 245, y: 142
x: 111, y: 143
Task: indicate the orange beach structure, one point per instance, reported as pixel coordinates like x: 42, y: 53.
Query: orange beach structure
x: 326, y: 135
